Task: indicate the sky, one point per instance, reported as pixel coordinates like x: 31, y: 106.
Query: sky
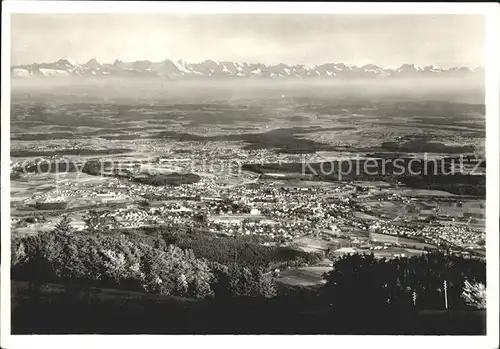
x: 385, y: 40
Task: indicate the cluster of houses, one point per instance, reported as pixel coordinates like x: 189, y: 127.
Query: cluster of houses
x: 284, y: 210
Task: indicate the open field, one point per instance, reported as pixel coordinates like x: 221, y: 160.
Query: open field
x: 305, y: 276
x: 310, y: 244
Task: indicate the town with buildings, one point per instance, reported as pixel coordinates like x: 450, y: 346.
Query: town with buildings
x: 278, y: 207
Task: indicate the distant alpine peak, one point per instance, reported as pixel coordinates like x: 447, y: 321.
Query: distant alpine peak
x: 210, y: 68
x: 210, y: 61
x: 66, y: 61
x: 92, y: 63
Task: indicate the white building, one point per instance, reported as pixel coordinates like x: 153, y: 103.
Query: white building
x: 255, y: 211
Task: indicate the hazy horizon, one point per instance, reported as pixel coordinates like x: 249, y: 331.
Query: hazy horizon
x: 457, y: 90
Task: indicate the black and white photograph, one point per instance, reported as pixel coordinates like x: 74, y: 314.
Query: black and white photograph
x: 248, y: 173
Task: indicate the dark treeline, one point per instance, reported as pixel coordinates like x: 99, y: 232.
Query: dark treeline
x: 80, y: 261
x: 244, y: 250
x: 424, y: 146
x: 374, y: 282
x: 225, y: 286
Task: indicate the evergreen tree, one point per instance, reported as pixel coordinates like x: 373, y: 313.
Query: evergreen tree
x: 64, y: 225
x: 474, y: 294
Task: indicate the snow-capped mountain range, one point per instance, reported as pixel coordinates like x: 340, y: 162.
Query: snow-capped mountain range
x: 213, y: 69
